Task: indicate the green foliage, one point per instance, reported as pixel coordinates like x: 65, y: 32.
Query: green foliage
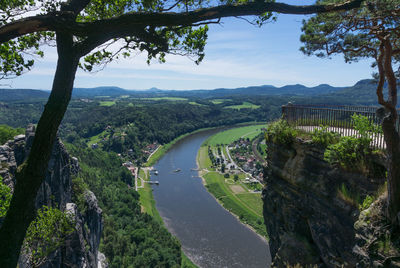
x: 5, y: 198
x: 349, y: 152
x: 79, y: 187
x: 366, y: 202
x: 324, y: 137
x: 130, y: 238
x: 8, y: 133
x: 280, y: 132
x: 46, y: 233
x: 364, y: 126
x: 350, y: 33
x: 352, y: 152
x: 349, y: 196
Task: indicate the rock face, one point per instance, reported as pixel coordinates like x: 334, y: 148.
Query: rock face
x: 81, y: 247
x: 307, y: 220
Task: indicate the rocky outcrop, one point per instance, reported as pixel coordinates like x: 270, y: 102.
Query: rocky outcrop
x: 81, y: 247
x: 377, y: 242
x: 307, y: 219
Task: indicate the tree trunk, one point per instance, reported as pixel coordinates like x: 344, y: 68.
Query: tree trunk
x: 393, y: 168
x: 31, y: 173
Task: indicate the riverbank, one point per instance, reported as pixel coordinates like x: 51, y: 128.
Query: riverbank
x: 146, y: 194
x: 231, y: 193
x: 162, y: 149
x: 148, y: 205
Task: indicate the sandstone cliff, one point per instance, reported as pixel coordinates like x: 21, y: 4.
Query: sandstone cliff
x: 81, y: 247
x: 307, y: 220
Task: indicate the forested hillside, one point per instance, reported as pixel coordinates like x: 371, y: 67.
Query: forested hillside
x: 130, y: 238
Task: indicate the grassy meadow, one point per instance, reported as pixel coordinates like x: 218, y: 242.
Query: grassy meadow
x: 244, y: 105
x: 230, y: 135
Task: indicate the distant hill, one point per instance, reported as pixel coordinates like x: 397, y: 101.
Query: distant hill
x: 7, y: 94
x: 297, y: 90
x: 363, y: 92
x: 99, y: 91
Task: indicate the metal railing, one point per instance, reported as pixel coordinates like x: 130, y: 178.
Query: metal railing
x: 336, y: 117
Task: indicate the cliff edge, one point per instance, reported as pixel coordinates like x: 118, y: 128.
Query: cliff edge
x: 308, y: 210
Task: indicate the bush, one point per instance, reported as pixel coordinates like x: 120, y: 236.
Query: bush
x: 352, y: 152
x: 8, y: 133
x: 226, y: 175
x: 79, y: 187
x: 364, y: 126
x: 280, y: 132
x: 349, y: 152
x: 324, y: 137
x: 46, y: 233
x: 5, y: 198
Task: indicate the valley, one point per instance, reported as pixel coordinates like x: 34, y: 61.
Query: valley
x: 206, y: 153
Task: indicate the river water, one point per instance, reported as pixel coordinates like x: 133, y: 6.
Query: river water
x: 210, y: 236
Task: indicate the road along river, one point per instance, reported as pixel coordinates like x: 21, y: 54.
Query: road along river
x: 210, y: 235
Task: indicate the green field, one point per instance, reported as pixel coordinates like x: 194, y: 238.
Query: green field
x: 247, y: 206
x: 147, y: 200
x: 203, y: 159
x: 244, y: 105
x: 97, y: 138
x: 107, y: 103
x: 230, y: 135
x: 195, y: 103
x: 236, y: 197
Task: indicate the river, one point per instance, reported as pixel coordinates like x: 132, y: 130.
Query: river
x: 210, y: 236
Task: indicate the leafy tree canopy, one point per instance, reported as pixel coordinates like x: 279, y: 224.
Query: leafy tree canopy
x: 357, y: 33
x: 372, y: 31
x: 110, y: 29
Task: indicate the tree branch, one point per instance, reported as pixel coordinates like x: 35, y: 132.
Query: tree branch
x: 76, y: 6
x: 62, y: 21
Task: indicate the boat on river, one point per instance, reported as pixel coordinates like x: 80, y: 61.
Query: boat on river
x: 177, y: 170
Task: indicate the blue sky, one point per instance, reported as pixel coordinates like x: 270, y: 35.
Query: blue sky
x: 237, y: 54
